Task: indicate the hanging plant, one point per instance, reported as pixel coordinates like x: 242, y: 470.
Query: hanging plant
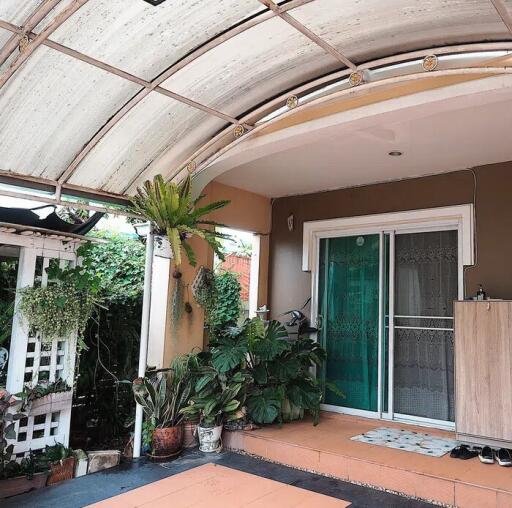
x: 177, y: 298
x: 63, y: 307
x: 175, y: 214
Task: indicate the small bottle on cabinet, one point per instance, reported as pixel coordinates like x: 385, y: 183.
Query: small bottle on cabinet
x: 480, y: 294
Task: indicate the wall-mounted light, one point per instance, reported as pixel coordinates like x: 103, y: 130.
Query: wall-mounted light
x: 395, y: 153
x: 290, y: 222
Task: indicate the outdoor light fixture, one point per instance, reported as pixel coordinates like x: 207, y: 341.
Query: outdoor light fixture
x: 395, y: 153
x: 154, y: 2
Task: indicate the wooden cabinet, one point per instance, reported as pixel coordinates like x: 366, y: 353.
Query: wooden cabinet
x: 483, y: 372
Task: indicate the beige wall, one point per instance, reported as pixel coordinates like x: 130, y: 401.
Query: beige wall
x: 290, y: 286
x: 247, y: 211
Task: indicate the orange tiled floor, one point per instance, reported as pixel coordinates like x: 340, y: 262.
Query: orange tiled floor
x: 328, y: 449
x: 214, y: 486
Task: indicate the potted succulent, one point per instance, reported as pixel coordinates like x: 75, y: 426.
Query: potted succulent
x: 16, y: 476
x: 163, y: 395
x: 176, y: 217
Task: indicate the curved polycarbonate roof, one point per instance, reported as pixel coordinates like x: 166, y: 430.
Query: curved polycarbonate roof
x: 102, y: 94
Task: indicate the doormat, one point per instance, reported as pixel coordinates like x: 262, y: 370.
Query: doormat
x: 408, y: 441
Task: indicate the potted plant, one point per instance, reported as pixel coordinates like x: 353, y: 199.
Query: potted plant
x: 61, y: 462
x: 63, y: 307
x: 16, y: 476
x: 176, y: 217
x: 163, y: 395
x: 216, y: 400
x: 46, y: 396
x: 281, y: 386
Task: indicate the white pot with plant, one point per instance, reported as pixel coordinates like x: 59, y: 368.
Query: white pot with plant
x: 214, y: 403
x: 176, y: 217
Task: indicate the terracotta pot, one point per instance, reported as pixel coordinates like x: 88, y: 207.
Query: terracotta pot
x: 62, y: 470
x: 21, y: 484
x: 168, y: 441
x: 190, y: 435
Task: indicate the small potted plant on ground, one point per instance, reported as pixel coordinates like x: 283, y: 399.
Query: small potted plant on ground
x: 215, y: 402
x: 162, y: 396
x: 61, y: 462
x: 16, y: 476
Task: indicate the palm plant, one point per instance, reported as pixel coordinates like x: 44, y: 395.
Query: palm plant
x: 174, y: 213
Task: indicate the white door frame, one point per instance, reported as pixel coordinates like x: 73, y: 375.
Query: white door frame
x: 459, y: 217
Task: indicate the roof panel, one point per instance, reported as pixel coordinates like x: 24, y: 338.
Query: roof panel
x: 52, y: 106
x: 369, y: 29
x: 16, y: 11
x: 155, y: 126
x: 145, y: 40
x: 251, y: 67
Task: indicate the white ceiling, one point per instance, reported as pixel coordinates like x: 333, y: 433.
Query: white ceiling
x: 448, y: 135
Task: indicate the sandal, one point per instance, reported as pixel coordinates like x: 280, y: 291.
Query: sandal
x: 463, y: 452
x: 504, y: 458
x: 486, y: 456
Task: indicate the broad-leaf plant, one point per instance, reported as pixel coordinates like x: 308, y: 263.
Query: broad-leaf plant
x: 276, y: 372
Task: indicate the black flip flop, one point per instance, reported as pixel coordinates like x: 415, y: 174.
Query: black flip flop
x: 463, y: 452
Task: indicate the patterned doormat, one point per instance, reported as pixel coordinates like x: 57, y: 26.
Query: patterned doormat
x: 408, y: 441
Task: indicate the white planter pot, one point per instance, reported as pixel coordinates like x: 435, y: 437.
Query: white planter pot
x: 162, y: 247
x: 209, y: 438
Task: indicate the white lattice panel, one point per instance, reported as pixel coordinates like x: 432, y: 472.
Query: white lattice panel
x: 32, y: 362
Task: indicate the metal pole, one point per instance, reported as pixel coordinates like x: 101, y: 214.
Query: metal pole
x: 144, y: 336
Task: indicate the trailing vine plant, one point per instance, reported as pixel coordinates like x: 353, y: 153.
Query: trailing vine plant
x: 219, y: 295
x: 63, y: 307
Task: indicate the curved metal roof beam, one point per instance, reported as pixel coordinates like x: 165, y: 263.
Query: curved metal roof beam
x: 173, y: 69
x: 30, y: 23
x: 267, y: 107
x: 364, y: 88
x: 41, y: 37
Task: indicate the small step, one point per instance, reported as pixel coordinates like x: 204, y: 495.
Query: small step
x: 327, y: 449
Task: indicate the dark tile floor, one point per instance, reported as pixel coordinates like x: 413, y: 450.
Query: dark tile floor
x: 92, y: 488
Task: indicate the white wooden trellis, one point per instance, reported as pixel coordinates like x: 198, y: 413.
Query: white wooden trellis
x: 29, y: 361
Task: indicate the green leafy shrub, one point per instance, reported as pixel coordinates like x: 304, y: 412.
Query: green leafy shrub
x: 117, y: 265
x: 276, y: 370
x: 217, y: 398
x: 219, y: 295
x: 102, y: 403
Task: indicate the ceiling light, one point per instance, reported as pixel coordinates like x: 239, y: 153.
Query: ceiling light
x: 154, y: 2
x: 395, y: 153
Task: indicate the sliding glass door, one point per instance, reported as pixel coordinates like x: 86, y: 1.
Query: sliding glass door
x: 349, y: 299
x: 386, y: 321
x: 426, y: 284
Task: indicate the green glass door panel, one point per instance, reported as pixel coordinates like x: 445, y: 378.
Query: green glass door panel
x: 349, y: 306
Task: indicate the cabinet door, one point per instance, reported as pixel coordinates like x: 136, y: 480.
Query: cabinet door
x: 483, y: 358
